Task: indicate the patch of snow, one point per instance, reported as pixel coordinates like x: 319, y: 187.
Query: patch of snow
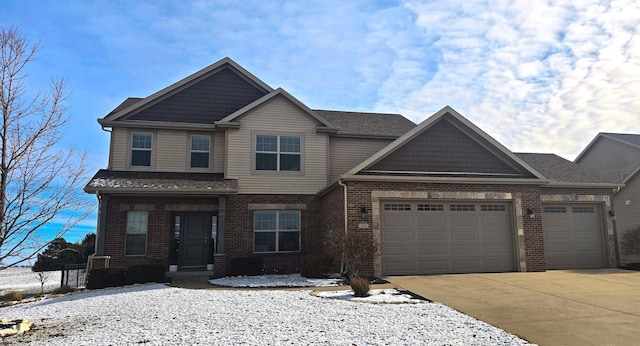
x: 26, y: 281
x: 292, y: 280
x: 380, y: 296
x: 161, y: 315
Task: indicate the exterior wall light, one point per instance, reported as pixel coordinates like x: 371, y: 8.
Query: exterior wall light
x: 531, y: 213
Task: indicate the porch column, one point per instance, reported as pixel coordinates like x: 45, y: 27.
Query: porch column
x: 221, y: 217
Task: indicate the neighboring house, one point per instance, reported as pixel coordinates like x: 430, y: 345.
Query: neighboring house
x: 219, y: 165
x: 616, y: 157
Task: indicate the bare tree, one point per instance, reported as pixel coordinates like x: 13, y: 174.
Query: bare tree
x: 40, y: 198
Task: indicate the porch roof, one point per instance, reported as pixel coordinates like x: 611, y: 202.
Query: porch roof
x: 160, y: 182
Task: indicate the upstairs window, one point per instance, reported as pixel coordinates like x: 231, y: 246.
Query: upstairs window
x: 200, y: 146
x: 278, y: 153
x: 141, y: 149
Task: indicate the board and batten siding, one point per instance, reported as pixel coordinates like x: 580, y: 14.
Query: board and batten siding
x: 627, y: 209
x: 346, y: 153
x: 171, y: 149
x: 277, y: 116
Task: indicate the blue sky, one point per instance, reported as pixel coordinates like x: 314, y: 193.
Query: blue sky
x: 538, y: 77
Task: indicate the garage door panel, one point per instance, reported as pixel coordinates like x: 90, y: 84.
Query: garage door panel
x: 465, y: 239
x: 573, y: 239
x: 396, y: 236
x: 464, y: 221
x: 399, y: 250
x: 398, y: 221
x: 431, y: 236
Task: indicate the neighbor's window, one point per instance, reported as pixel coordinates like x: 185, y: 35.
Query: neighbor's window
x: 141, y: 149
x: 276, y: 231
x: 136, y: 240
x: 277, y: 153
x: 200, y: 145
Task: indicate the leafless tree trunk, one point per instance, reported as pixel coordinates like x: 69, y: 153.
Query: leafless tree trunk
x: 40, y: 198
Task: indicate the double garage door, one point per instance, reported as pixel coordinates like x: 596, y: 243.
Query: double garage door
x: 433, y: 237
x: 427, y: 237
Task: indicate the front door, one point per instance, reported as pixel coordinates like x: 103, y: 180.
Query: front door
x: 194, y: 240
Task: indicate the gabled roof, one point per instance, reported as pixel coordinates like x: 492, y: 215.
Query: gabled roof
x: 228, y: 121
x: 632, y: 140
x: 359, y: 124
x: 136, y: 104
x: 449, y: 113
x: 561, y: 171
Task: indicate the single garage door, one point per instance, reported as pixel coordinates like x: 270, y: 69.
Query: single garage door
x: 573, y: 236
x: 427, y: 237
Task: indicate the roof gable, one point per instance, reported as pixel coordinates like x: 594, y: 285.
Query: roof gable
x: 631, y: 140
x: 444, y: 145
x: 203, y: 97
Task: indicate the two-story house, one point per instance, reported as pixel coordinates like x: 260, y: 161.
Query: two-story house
x: 220, y: 165
x: 616, y: 157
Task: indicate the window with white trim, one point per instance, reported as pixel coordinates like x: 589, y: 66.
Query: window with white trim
x: 141, y: 144
x: 200, y: 151
x: 276, y: 231
x: 277, y: 153
x: 136, y: 233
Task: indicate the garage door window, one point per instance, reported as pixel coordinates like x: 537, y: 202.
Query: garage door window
x: 493, y: 207
x: 430, y: 207
x: 397, y: 207
x: 555, y: 209
x: 462, y: 207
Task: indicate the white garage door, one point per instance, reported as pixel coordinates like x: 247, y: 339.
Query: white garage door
x: 427, y: 237
x: 573, y: 236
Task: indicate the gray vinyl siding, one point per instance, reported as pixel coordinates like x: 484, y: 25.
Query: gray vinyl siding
x: 610, y: 159
x: 346, y: 153
x: 283, y: 117
x: 444, y: 148
x: 119, y: 149
x: 205, y: 101
x: 627, y: 216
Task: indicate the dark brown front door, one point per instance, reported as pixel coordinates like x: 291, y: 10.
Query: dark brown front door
x: 194, y: 240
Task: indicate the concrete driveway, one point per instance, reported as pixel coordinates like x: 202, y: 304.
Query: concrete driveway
x: 560, y: 307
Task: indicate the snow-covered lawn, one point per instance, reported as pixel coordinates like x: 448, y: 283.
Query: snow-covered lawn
x: 162, y: 315
x: 26, y: 281
x: 288, y: 280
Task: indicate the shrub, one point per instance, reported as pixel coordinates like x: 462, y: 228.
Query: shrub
x: 105, y: 277
x: 143, y: 273
x: 355, y: 249
x: 360, y: 286
x: 630, y: 242
x: 315, y: 265
x: 12, y: 296
x: 246, y: 266
x: 62, y: 290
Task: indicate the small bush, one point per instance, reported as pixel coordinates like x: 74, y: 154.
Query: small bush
x: 630, y: 242
x: 360, y: 286
x: 105, y: 277
x: 144, y: 273
x: 355, y: 249
x: 315, y: 265
x: 13, y: 296
x: 246, y: 266
x: 62, y: 290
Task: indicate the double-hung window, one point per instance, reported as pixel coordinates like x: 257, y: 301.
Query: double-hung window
x: 136, y: 236
x: 276, y: 231
x: 141, y: 149
x: 200, y: 146
x: 278, y: 153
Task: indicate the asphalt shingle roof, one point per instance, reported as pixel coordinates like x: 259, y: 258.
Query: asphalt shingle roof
x: 126, y: 103
x: 160, y: 181
x: 367, y: 123
x: 560, y: 170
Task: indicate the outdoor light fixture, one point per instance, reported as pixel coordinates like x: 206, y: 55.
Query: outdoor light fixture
x: 363, y: 210
x: 531, y: 213
x: 611, y: 213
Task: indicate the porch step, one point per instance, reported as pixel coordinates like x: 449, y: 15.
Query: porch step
x: 191, y: 282
x: 185, y: 274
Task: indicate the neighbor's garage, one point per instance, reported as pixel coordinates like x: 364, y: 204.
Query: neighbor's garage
x: 573, y: 236
x: 432, y: 237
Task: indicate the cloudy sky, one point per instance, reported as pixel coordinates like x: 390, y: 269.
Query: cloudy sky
x: 538, y: 76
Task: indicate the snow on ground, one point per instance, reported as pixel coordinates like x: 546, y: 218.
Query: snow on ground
x: 379, y: 296
x: 26, y: 281
x: 162, y: 315
x: 292, y: 280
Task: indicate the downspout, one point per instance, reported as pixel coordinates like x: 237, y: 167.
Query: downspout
x: 346, y: 222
